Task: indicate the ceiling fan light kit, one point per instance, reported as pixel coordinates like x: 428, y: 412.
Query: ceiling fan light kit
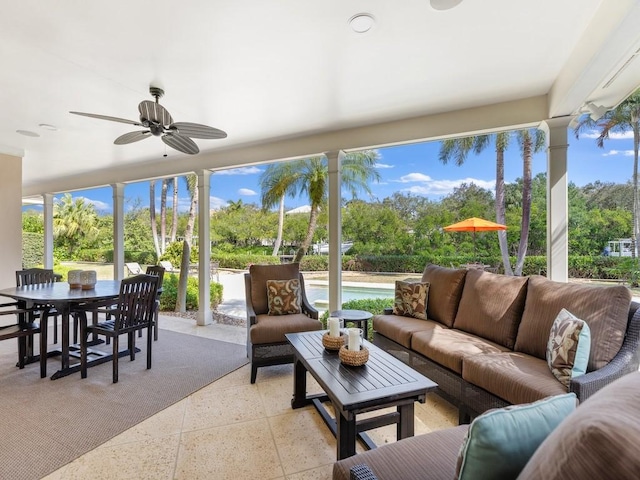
x: 158, y: 121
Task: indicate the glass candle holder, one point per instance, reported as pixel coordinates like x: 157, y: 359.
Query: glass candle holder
x: 74, y: 278
x: 355, y: 339
x: 88, y: 279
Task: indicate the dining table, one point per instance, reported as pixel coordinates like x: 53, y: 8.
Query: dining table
x: 63, y: 299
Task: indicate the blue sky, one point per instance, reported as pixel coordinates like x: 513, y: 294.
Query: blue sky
x: 413, y: 169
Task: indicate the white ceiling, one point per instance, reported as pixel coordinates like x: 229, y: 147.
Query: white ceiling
x: 289, y: 77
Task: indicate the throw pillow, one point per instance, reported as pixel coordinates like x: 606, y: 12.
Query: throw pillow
x: 568, y: 347
x: 284, y: 296
x: 500, y: 442
x: 411, y: 299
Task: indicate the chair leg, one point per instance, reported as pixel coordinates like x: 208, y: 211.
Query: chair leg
x: 131, y: 341
x: 149, y: 344
x: 254, y: 372
x: 155, y: 321
x: 22, y: 351
x: 115, y: 359
x: 43, y: 345
x: 84, y: 338
x: 55, y: 329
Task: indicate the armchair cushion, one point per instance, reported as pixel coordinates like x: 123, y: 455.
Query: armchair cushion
x: 284, y: 297
x: 568, y: 347
x: 259, y: 276
x: 271, y: 328
x: 411, y: 299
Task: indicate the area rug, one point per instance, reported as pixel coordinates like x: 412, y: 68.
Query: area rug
x: 45, y: 423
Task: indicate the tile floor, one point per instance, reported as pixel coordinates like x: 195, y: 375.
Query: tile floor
x: 233, y: 430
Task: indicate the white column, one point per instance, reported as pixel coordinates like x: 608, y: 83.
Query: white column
x: 335, y: 229
x: 118, y: 231
x: 557, y: 200
x: 204, y: 247
x: 47, y: 203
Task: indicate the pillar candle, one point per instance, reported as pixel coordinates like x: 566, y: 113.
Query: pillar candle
x: 354, y: 339
x: 334, y: 327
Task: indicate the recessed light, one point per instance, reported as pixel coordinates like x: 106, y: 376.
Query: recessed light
x: 28, y: 133
x: 362, y: 22
x: 46, y: 126
x: 444, y: 4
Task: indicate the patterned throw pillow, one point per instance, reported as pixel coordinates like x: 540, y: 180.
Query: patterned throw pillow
x: 568, y: 347
x: 284, y: 296
x: 411, y: 299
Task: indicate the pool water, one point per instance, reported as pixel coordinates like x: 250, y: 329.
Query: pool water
x: 318, y: 295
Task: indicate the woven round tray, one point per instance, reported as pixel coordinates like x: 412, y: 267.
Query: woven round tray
x: 333, y: 343
x: 353, y: 358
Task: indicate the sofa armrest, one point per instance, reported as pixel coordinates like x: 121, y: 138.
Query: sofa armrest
x: 251, y: 314
x: 625, y: 361
x: 361, y: 472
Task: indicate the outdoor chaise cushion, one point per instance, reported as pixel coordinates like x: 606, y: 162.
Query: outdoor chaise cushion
x: 437, y: 451
x: 411, y: 299
x: 599, y: 440
x: 449, y: 347
x: 605, y: 309
x: 259, y: 276
x: 512, y: 376
x: 491, y: 306
x: 568, y: 347
x: 400, y: 329
x: 444, y: 292
x: 271, y: 328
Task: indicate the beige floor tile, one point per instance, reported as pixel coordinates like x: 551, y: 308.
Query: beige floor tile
x: 215, y: 407
x: 238, y: 451
x: 239, y: 377
x: 324, y: 472
x: 303, y: 440
x: 152, y: 459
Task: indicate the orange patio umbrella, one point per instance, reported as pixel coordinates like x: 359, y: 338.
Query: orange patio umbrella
x: 474, y: 225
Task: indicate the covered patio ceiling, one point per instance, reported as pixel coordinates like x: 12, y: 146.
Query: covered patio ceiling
x: 288, y: 78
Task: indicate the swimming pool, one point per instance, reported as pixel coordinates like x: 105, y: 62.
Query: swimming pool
x: 318, y: 295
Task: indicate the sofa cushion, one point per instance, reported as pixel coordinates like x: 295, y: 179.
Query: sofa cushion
x: 259, y: 276
x: 431, y: 455
x: 449, y: 347
x: 501, y: 441
x: 491, y: 306
x: 444, y: 292
x: 512, y: 376
x: 568, y: 347
x: 604, y: 309
x: 599, y: 440
x: 411, y: 299
x: 271, y: 328
x: 400, y: 329
x: 284, y: 296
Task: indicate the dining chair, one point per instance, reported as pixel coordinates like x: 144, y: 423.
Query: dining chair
x: 35, y: 276
x: 24, y: 330
x: 133, y: 310
x: 156, y: 271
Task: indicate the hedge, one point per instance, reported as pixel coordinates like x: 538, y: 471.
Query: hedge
x: 170, y: 293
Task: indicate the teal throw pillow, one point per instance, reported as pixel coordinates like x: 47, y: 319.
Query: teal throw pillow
x: 500, y: 442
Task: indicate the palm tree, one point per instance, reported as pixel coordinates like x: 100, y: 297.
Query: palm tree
x: 309, y: 176
x: 152, y: 216
x: 192, y: 188
x: 275, y: 185
x: 73, y: 220
x: 458, y: 149
x: 623, y: 118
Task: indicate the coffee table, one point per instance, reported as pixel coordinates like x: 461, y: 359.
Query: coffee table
x: 382, y: 382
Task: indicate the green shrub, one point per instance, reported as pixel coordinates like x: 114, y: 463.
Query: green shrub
x: 170, y: 293
x: 173, y: 253
x: 375, y: 306
x: 32, y: 249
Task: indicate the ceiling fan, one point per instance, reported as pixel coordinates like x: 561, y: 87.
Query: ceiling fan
x: 158, y: 122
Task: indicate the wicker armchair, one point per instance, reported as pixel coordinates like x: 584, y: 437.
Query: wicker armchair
x: 266, y: 343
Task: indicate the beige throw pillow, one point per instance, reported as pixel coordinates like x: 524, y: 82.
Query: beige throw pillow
x: 411, y: 299
x: 284, y: 296
x: 568, y: 347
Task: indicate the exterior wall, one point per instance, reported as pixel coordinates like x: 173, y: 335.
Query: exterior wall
x: 10, y: 219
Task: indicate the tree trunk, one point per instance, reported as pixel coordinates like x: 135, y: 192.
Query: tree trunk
x: 163, y: 216
x: 152, y: 216
x: 636, y: 200
x: 313, y: 220
x: 174, y: 223
x: 500, y: 211
x: 181, y: 299
x: 276, y: 246
x: 526, y: 204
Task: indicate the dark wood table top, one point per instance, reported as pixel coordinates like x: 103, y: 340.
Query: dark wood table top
x: 382, y: 378
x: 60, y: 292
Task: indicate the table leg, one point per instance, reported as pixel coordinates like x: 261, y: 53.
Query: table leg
x: 405, y: 427
x: 299, y: 385
x: 346, y: 436
x: 64, y: 310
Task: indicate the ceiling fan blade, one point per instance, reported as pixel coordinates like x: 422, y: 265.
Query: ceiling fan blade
x: 105, y: 117
x: 132, y: 137
x: 154, y: 112
x: 196, y: 130
x: 181, y: 143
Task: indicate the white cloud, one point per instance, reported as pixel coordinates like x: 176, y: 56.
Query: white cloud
x: 217, y: 203
x: 246, y: 192
x: 428, y: 186
x: 383, y: 165
x: 612, y: 136
x: 239, y: 171
x: 97, y: 204
x: 414, y: 177
x: 626, y: 153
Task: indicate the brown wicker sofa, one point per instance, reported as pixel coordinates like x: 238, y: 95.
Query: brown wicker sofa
x: 485, y: 336
x: 599, y: 439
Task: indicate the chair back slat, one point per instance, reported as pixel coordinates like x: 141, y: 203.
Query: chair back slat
x: 137, y: 301
x: 156, y: 271
x: 34, y: 276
